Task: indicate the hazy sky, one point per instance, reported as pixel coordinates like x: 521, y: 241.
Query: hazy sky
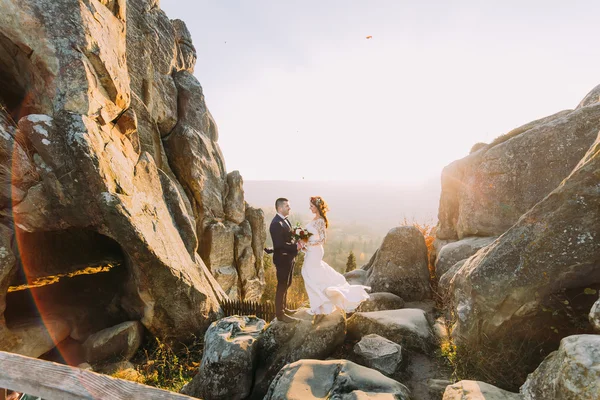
x: 298, y: 91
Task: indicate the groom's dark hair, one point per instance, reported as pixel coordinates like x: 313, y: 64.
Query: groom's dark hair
x: 279, y: 202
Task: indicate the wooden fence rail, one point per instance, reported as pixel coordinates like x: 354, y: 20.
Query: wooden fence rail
x: 52, y: 381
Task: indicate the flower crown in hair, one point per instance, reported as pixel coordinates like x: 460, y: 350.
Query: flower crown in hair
x: 319, y: 203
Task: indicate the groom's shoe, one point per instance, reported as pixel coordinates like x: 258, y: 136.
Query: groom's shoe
x: 286, y: 318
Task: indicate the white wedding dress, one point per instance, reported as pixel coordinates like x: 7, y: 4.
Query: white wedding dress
x: 327, y: 289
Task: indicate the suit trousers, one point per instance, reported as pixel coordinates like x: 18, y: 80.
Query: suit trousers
x: 285, y: 270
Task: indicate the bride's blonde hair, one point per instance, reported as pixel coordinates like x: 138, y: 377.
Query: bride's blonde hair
x: 322, y: 207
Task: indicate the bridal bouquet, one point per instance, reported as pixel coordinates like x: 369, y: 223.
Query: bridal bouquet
x: 300, y: 234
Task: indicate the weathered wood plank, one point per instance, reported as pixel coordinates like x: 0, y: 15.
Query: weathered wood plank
x: 51, y: 381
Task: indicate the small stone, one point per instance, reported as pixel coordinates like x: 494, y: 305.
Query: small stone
x: 379, y: 353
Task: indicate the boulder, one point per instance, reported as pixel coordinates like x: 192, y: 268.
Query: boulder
x: 475, y: 390
x: 407, y: 327
x: 571, y: 372
x: 333, y: 379
x: 228, y: 361
x: 379, y: 353
x: 454, y: 252
x: 548, y: 260
x: 400, y: 265
x: 381, y: 301
x: 485, y: 193
x: 356, y: 277
x: 283, y: 343
x: 118, y: 342
x: 594, y: 316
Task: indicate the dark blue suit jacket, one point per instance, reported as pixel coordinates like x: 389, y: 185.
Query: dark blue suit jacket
x: 284, y: 250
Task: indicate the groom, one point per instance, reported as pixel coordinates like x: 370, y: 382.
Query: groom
x: 284, y: 254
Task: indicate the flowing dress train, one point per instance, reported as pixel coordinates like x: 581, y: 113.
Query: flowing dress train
x: 327, y: 289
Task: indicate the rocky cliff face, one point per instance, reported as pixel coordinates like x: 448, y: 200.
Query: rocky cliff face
x: 108, y: 154
x: 538, y: 188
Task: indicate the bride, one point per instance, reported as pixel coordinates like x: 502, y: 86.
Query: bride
x: 327, y: 289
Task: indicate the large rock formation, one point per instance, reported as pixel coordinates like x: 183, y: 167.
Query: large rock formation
x: 113, y: 159
x: 550, y: 256
x: 536, y: 283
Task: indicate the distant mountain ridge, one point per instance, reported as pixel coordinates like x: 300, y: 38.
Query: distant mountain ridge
x: 377, y: 205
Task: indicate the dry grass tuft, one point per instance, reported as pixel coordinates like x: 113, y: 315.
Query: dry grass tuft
x: 165, y: 366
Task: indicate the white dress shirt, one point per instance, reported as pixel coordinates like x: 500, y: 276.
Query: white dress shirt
x: 285, y: 219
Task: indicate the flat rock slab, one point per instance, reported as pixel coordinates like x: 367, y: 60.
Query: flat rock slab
x: 407, y: 327
x: 333, y: 379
